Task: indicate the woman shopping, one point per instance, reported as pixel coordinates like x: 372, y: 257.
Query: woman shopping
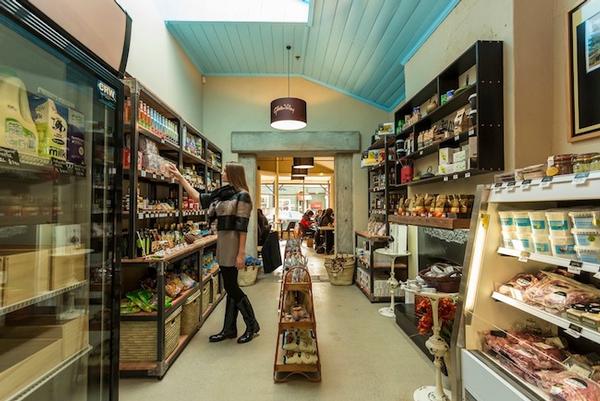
x: 231, y: 206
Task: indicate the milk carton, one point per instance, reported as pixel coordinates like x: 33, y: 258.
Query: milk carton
x: 17, y: 129
x: 52, y: 129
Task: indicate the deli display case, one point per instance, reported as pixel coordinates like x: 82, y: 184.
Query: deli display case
x: 531, y: 311
x: 60, y: 199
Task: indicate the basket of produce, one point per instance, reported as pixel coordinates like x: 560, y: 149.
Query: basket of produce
x: 444, y: 277
x: 190, y: 317
x: 340, y: 269
x: 248, y: 275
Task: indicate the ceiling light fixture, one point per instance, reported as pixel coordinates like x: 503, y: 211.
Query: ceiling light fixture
x: 304, y: 162
x: 288, y: 113
x: 299, y: 172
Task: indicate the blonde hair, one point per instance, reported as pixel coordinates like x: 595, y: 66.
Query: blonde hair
x: 236, y: 176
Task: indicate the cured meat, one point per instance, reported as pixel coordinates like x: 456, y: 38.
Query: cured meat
x: 518, y: 284
x: 567, y: 386
x: 556, y: 293
x: 526, y: 351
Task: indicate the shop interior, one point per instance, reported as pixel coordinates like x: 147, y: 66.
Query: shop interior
x: 300, y: 199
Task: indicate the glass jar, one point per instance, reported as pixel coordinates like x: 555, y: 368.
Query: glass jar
x: 582, y: 163
x: 562, y: 163
x: 595, y: 163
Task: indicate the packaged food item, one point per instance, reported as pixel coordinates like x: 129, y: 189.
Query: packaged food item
x: 507, y: 221
x: 558, y: 222
x: 587, y: 238
x: 517, y: 285
x: 563, y: 246
x: 524, y: 242
x: 585, y: 219
x: 538, y: 222
x: 541, y: 244
x: 583, y: 163
x: 588, y: 254
x: 446, y: 155
x: 52, y: 131
x: 557, y: 293
x: 508, y: 238
x: 522, y: 221
x: 560, y: 164
x: 17, y: 129
x: 576, y: 312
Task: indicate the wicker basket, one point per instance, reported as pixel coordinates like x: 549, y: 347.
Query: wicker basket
x: 205, y: 297
x: 340, y: 269
x: 442, y: 284
x: 190, y: 317
x: 138, y: 339
x: 248, y: 276
x: 215, y: 288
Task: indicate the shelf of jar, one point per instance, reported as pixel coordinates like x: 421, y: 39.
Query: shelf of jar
x: 162, y: 143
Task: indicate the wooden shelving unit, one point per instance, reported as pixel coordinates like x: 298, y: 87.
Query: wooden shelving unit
x: 435, y: 222
x: 485, y: 57
x: 292, y: 289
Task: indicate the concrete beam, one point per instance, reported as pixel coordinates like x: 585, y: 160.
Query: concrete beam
x: 301, y: 143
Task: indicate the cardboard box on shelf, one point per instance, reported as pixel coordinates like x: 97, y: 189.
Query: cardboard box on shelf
x: 23, y: 274
x: 460, y: 156
x: 461, y: 166
x: 68, y: 267
x: 472, y: 147
x: 24, y: 360
x: 74, y: 333
x: 445, y: 169
x: 446, y: 155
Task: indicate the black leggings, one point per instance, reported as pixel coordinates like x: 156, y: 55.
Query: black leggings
x: 230, y: 282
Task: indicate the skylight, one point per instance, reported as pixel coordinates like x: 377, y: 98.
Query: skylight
x: 296, y: 11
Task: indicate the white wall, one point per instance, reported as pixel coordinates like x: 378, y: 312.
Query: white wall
x: 160, y: 64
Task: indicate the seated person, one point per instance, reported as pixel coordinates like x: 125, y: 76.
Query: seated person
x: 324, y: 243
x: 306, y: 224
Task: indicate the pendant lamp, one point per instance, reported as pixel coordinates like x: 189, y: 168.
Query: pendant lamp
x: 288, y: 113
x: 304, y: 162
x: 299, y: 172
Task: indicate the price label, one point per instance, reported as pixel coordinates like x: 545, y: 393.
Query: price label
x: 61, y: 166
x: 524, y: 256
x: 140, y: 216
x: 498, y: 186
x: 471, y: 131
x: 575, y: 267
x: 446, y: 178
x: 511, y: 185
x: 142, y: 173
x: 581, y: 178
x: 597, y: 275
x: 162, y: 177
x: 9, y: 156
x: 421, y: 153
x: 525, y: 184
x: 546, y: 182
x: 574, y: 331
x: 456, y: 138
x: 467, y: 175
x: 455, y: 177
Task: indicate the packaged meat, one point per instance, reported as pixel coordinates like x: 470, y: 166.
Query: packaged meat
x: 556, y: 293
x: 568, y: 386
x: 516, y: 286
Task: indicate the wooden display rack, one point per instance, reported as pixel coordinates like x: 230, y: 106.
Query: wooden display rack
x: 292, y: 288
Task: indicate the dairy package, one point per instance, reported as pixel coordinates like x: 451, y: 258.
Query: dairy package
x: 52, y: 131
x: 17, y: 129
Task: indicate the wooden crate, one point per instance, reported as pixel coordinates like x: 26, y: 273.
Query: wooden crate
x: 24, y: 360
x: 68, y: 267
x: 23, y: 274
x: 73, y: 332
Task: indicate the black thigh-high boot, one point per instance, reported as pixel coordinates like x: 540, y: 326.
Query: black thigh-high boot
x: 252, y: 327
x: 229, y: 324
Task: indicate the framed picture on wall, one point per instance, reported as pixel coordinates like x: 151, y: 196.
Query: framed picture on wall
x: 584, y: 55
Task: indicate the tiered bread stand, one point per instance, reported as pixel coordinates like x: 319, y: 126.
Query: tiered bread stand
x: 295, y: 285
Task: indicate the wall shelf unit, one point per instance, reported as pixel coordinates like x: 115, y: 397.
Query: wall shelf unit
x: 478, y: 71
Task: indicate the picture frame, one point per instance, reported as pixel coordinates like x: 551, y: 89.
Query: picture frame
x: 584, y: 70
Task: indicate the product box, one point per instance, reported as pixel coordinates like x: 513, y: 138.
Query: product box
x: 446, y: 155
x: 23, y: 274
x: 68, y: 267
x: 76, y: 138
x: 445, y: 169
x: 473, y: 147
x: 461, y: 166
x: 23, y: 360
x: 459, y: 156
x: 72, y: 332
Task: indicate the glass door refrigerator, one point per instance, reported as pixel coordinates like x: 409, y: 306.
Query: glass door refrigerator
x: 60, y: 197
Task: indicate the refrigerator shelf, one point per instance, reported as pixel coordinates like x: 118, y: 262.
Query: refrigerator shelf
x: 572, y: 265
x: 43, y: 297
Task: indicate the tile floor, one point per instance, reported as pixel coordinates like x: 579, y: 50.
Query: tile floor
x: 363, y: 355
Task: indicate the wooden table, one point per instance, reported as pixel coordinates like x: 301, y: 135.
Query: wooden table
x: 326, y: 228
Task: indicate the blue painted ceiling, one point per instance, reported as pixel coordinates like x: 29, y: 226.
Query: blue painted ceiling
x: 357, y: 47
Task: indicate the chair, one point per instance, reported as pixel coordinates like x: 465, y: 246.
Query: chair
x: 290, y: 228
